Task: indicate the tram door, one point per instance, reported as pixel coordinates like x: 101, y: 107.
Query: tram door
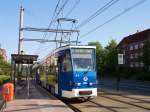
x: 65, y: 72
x: 59, y: 75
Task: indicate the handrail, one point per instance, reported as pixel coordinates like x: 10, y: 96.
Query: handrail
x: 2, y: 105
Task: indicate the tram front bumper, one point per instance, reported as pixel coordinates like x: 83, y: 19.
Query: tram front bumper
x: 79, y: 92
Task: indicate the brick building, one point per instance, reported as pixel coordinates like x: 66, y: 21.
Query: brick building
x: 132, y: 47
x: 3, y: 53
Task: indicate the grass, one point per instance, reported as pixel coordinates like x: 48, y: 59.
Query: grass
x: 4, y: 79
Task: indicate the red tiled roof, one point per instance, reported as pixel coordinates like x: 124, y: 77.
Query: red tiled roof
x: 140, y: 36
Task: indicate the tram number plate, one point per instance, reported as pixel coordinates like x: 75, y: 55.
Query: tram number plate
x: 85, y: 92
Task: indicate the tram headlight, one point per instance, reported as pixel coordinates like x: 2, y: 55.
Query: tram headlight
x: 78, y: 84
x: 90, y: 83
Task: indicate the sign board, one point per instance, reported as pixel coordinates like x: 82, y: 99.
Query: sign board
x: 120, y: 59
x: 24, y: 59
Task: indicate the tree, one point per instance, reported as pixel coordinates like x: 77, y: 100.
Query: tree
x: 112, y: 45
x: 4, y: 66
x: 99, y: 56
x: 111, y: 57
x: 1, y: 58
x: 146, y: 55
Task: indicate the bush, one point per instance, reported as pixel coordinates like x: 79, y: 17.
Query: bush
x: 142, y: 76
x: 136, y: 74
x: 128, y: 73
x: 1, y: 82
x: 4, y: 79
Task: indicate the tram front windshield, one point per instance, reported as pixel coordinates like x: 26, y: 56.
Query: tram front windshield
x: 83, y: 59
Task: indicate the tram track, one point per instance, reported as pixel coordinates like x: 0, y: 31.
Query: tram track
x: 125, y: 96
x: 75, y: 109
x: 126, y: 102
x: 92, y: 106
x: 107, y: 102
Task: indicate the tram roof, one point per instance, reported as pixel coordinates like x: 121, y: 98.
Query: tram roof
x: 74, y: 46
x: 67, y: 47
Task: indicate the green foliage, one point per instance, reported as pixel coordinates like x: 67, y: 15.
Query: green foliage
x: 99, y: 56
x: 1, y: 58
x: 111, y: 45
x: 4, y: 67
x: 4, y: 79
x: 107, y: 61
x: 111, y: 57
x: 106, y: 58
x: 135, y: 74
x: 146, y: 54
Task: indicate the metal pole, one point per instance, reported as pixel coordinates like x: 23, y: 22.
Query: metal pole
x: 77, y: 38
x: 118, y: 77
x: 12, y: 71
x: 56, y: 32
x: 14, y: 80
x: 28, y: 82
x: 56, y: 37
x: 61, y: 39
x: 20, y: 34
x: 20, y: 27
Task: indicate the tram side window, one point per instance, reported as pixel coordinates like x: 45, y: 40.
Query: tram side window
x: 66, y: 65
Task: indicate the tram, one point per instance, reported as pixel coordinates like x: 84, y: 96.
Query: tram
x: 69, y: 71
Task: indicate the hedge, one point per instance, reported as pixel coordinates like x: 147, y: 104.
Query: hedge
x: 4, y: 79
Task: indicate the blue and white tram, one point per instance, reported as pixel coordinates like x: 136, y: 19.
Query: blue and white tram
x: 70, y: 72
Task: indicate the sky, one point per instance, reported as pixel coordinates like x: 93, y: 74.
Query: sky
x: 38, y: 13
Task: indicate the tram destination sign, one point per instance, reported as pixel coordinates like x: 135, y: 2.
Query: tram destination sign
x: 82, y: 50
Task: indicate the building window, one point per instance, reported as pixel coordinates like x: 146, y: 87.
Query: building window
x: 141, y: 45
x: 136, y: 46
x: 136, y: 55
x: 141, y: 54
x: 131, y: 64
x: 136, y: 64
x: 142, y: 64
x: 131, y: 47
x: 131, y: 56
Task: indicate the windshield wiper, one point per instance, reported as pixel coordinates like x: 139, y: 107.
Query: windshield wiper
x: 87, y: 70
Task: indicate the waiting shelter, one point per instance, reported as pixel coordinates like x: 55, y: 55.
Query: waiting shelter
x: 17, y: 60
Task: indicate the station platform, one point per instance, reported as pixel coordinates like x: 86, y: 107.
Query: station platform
x: 39, y: 100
